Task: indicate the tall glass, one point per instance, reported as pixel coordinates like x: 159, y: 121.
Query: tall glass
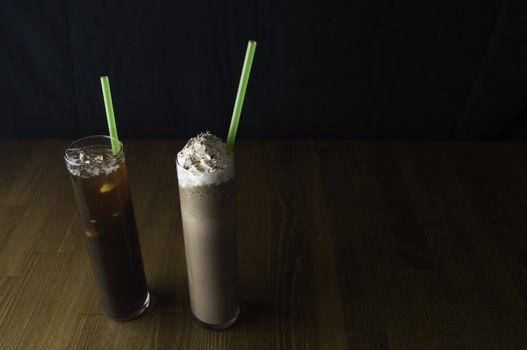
x: 209, y: 231
x: 101, y: 188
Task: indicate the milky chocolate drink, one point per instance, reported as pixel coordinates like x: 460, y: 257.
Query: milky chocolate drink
x: 207, y: 197
x: 101, y: 188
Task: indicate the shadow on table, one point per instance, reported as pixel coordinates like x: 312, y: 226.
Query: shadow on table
x: 166, y: 300
x: 253, y: 314
x: 256, y: 314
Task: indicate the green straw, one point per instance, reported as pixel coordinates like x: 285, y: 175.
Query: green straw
x: 240, y: 96
x: 110, y: 117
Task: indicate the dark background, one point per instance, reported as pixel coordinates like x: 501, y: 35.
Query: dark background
x: 360, y: 69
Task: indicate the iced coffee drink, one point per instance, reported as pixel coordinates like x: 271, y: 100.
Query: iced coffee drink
x: 101, y: 188
x: 207, y: 195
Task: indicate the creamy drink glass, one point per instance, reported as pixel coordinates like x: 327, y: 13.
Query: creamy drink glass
x: 207, y: 196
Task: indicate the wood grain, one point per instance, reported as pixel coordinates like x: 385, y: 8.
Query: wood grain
x: 342, y: 245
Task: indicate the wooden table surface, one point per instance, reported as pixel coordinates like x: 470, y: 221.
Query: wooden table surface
x: 342, y: 245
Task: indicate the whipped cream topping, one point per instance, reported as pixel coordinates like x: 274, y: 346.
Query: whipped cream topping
x: 204, y: 161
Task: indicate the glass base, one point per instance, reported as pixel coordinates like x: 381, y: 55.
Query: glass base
x: 217, y: 327
x: 134, y: 314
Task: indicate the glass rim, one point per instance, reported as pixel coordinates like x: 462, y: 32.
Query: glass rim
x: 92, y: 137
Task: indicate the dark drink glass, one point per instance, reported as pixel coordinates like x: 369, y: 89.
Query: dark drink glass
x: 101, y: 188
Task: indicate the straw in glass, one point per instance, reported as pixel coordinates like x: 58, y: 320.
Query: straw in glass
x: 240, y: 96
x: 110, y: 117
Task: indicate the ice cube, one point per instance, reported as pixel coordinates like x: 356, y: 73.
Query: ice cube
x: 99, y: 158
x: 74, y: 154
